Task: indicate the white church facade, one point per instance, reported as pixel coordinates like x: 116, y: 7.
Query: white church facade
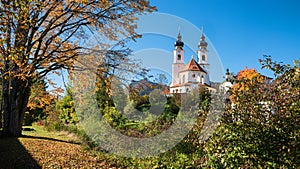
x: 186, y: 77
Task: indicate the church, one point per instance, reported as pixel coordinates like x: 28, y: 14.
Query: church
x: 186, y: 77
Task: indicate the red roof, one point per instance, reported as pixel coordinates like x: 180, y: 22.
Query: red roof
x: 192, y: 66
x: 166, y: 91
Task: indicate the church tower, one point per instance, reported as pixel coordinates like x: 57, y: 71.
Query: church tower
x: 203, y: 54
x: 178, y: 60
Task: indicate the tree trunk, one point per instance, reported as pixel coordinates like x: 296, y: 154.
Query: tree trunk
x: 1, y: 112
x: 15, y: 96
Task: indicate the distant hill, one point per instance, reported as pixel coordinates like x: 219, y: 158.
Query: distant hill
x: 145, y: 86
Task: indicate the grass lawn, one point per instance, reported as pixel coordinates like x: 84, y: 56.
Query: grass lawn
x: 39, y: 148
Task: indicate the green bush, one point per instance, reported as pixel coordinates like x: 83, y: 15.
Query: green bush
x: 261, y: 129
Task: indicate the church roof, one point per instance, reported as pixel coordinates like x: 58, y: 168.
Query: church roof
x: 193, y: 66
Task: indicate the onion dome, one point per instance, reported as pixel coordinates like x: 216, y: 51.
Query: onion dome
x: 202, y: 43
x: 227, y: 72
x: 179, y: 43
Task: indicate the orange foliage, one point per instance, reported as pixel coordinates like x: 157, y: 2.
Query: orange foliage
x: 40, y: 98
x: 246, y: 78
x: 39, y: 37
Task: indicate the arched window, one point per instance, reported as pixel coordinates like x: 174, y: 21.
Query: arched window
x: 179, y: 57
x: 202, y: 79
x: 183, y: 79
x: 193, y: 75
x: 203, y: 57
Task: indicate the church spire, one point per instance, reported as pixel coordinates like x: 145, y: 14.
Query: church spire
x: 179, y: 35
x: 179, y: 43
x: 202, y: 44
x: 203, y: 53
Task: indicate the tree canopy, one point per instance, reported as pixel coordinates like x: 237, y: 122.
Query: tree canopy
x: 38, y: 37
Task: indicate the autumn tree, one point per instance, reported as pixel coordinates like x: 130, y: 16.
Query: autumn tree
x: 40, y: 103
x: 246, y: 79
x: 38, y: 37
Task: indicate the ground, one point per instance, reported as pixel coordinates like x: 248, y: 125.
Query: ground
x: 39, y: 148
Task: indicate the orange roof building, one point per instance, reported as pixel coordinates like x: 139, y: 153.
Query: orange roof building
x: 186, y: 77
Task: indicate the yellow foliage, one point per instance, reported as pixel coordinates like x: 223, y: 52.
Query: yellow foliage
x: 47, y: 35
x: 40, y: 98
x: 246, y: 79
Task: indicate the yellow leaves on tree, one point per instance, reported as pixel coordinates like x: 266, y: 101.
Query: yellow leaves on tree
x: 40, y: 98
x: 38, y: 37
x: 246, y: 80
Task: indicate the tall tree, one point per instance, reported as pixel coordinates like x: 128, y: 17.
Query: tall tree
x: 38, y: 37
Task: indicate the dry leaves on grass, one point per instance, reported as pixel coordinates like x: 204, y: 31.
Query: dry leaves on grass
x: 60, y: 154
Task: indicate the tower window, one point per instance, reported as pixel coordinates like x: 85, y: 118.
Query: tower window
x: 178, y: 57
x: 203, y: 57
x: 193, y: 75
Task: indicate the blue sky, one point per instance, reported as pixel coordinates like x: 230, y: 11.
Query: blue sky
x: 241, y: 31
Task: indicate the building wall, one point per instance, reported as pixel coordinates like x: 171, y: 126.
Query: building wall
x: 176, y: 67
x: 192, y: 76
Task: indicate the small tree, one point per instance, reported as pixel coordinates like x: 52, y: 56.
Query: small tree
x: 40, y: 102
x: 65, y: 108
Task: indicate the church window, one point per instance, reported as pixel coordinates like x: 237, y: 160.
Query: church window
x: 179, y: 57
x: 202, y: 79
x: 183, y: 79
x: 193, y: 75
x: 203, y: 57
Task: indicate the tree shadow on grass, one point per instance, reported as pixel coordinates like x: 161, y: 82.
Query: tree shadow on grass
x: 47, y: 138
x: 14, y: 155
